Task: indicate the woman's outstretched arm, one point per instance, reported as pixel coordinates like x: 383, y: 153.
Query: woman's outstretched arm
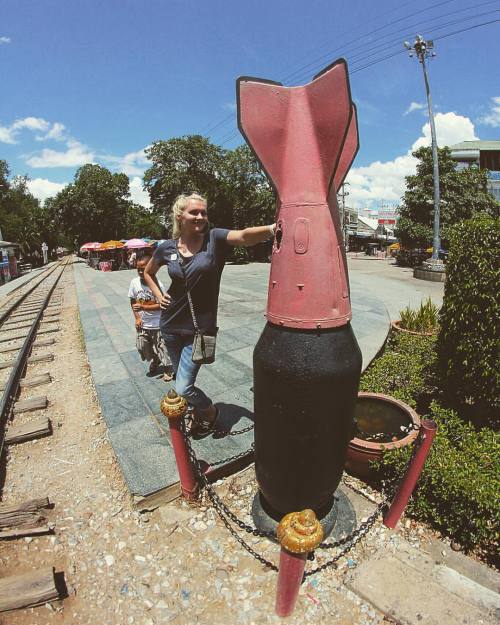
x: 250, y: 236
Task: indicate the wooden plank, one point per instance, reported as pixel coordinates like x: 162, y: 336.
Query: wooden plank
x: 31, y: 381
x: 35, y: 428
x: 47, y: 330
x: 18, y: 325
x: 31, y: 360
x: 26, y: 530
x: 40, y: 343
x: 28, y: 590
x: 40, y: 358
x: 35, y: 403
x: 44, y: 342
x: 20, y: 513
x: 14, y: 337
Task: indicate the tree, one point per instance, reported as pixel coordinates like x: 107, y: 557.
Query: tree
x: 183, y: 165
x: 236, y: 188
x: 247, y: 188
x: 464, y: 195
x: 141, y: 221
x: 94, y: 207
x: 22, y: 219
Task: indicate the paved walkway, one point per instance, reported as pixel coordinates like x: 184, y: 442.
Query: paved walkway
x: 130, y: 400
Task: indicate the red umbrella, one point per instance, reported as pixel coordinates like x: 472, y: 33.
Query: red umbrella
x: 87, y: 247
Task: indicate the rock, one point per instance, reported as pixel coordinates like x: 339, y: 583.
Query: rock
x: 109, y: 559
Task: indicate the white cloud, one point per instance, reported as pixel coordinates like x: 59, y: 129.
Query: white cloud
x: 9, y: 134
x: 5, y: 40
x: 137, y: 194
x: 56, y: 132
x: 385, y: 181
x: 42, y: 188
x: 77, y: 154
x: 493, y: 117
x: 132, y: 164
x: 414, y: 106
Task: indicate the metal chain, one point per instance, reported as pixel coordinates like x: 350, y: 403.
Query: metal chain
x: 228, y: 432
x: 357, y: 536
x: 225, y: 513
x: 235, y: 457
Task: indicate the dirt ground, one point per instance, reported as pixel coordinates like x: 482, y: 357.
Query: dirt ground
x: 177, y: 564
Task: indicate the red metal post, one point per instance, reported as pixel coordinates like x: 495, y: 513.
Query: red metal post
x: 427, y: 432
x: 298, y: 533
x: 174, y: 408
x: 291, y: 572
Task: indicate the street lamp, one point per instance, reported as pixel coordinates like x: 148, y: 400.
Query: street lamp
x: 423, y: 49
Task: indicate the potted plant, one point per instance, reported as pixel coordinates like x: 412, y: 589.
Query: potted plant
x: 424, y: 321
x: 382, y: 423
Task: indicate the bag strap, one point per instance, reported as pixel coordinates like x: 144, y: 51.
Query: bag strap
x: 190, y: 301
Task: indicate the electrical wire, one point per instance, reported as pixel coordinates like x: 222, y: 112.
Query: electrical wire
x: 400, y: 33
x: 234, y: 134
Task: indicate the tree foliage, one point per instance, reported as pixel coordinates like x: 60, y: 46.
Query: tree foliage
x: 237, y: 190
x: 22, y: 219
x: 463, y: 192
x: 470, y: 333
x: 94, y: 207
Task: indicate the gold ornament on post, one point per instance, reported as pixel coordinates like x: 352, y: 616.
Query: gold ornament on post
x: 300, y: 532
x: 173, y: 405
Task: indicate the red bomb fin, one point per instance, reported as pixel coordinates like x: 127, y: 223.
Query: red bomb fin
x: 297, y: 133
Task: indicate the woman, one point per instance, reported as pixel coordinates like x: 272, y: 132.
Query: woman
x: 194, y: 256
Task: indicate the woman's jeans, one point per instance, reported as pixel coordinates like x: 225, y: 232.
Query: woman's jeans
x: 180, y: 348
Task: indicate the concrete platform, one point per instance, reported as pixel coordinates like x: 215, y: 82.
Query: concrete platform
x: 130, y: 400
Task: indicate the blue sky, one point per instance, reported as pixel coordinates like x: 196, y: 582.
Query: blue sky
x: 98, y: 81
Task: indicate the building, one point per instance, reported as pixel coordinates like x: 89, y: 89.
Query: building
x: 482, y: 154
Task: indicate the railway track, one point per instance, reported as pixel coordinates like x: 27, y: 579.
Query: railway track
x: 28, y: 321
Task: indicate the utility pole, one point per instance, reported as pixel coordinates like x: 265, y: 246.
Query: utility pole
x: 423, y: 49
x: 342, y: 194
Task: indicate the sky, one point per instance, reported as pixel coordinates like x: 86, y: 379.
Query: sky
x: 88, y: 81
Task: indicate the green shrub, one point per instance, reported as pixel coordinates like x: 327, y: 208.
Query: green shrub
x: 424, y: 319
x: 469, y: 336
x: 405, y: 370
x: 458, y: 489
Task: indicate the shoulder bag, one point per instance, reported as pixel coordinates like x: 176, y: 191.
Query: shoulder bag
x: 203, y: 344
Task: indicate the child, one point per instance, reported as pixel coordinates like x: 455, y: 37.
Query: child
x: 146, y: 311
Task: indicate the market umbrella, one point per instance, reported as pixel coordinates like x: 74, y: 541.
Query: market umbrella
x: 87, y: 247
x: 135, y: 244
x: 395, y: 246
x: 111, y: 245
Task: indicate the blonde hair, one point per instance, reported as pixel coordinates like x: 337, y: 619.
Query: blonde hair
x: 179, y: 206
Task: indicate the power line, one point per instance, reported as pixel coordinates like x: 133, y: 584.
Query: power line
x: 235, y: 133
x: 329, y: 54
x: 400, y: 33
x: 423, y: 25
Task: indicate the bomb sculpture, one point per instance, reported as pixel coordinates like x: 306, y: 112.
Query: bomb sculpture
x: 307, y: 362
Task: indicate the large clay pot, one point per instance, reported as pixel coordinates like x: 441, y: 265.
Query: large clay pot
x: 377, y: 413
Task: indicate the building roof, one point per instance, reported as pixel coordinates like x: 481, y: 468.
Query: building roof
x: 367, y: 221
x: 476, y: 145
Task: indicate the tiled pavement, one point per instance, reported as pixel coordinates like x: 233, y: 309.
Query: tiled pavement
x: 130, y: 400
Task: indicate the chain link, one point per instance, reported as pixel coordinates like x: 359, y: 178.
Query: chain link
x: 235, y: 457
x: 225, y: 513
